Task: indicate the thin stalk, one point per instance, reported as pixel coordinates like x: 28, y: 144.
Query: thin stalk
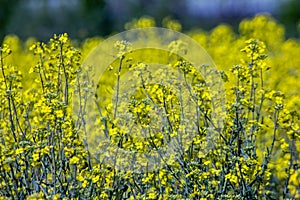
x: 118, y: 86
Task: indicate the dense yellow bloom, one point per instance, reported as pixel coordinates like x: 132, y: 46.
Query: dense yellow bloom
x: 45, y: 142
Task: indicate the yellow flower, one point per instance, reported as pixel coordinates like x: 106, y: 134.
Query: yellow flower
x: 96, y: 179
x: 80, y: 178
x: 63, y: 38
x: 35, y: 156
x: 103, y: 195
x: 84, y: 184
x: 74, y: 160
x: 59, y: 113
x: 19, y: 151
x: 152, y: 195
x: 56, y: 197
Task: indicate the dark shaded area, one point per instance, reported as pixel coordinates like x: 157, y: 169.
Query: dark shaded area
x: 6, y: 10
x: 87, y: 18
x: 96, y: 17
x: 290, y: 17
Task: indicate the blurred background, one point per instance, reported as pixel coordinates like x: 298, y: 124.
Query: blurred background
x: 87, y: 18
